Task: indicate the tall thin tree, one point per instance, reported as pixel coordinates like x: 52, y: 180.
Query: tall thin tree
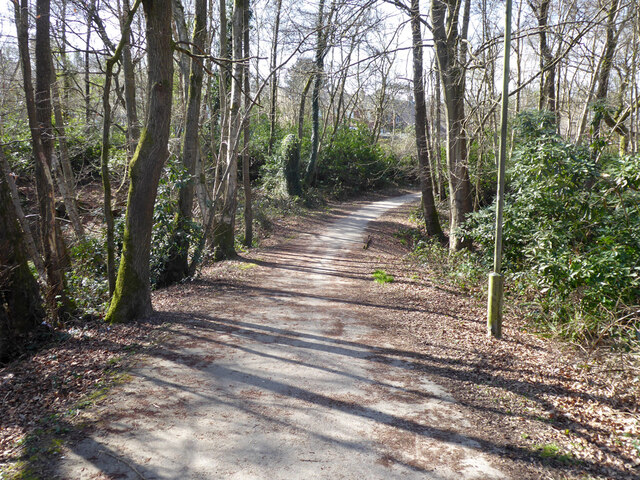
x: 432, y: 223
x: 225, y: 227
x: 132, y: 296
x: 177, y: 266
x: 246, y: 158
x: 274, y: 77
x: 38, y: 104
x: 451, y: 51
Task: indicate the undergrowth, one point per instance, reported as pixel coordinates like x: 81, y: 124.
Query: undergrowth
x: 571, y: 239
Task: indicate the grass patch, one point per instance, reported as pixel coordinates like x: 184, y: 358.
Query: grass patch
x: 382, y: 277
x: 247, y: 266
x: 552, y: 451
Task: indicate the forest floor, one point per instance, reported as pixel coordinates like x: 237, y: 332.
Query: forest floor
x: 291, y: 362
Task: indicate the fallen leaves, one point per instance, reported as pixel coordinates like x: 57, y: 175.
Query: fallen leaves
x: 568, y: 413
x: 557, y: 411
x: 50, y: 382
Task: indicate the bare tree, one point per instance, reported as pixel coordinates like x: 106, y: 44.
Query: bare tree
x: 177, y: 266
x: 246, y: 158
x: 39, y: 113
x: 432, y: 223
x: 547, y: 100
x: 225, y: 227
x: 274, y: 78
x: 318, y: 75
x: 451, y: 52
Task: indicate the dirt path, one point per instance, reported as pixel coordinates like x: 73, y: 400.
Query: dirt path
x: 281, y: 375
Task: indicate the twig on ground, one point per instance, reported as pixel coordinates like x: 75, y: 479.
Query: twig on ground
x: 125, y: 462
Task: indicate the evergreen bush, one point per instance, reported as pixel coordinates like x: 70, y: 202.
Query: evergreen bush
x: 571, y: 232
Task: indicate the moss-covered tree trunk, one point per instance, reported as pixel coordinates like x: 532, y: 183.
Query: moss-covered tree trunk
x: 132, y: 297
x: 290, y: 153
x: 315, y: 95
x: 177, y: 265
x: 106, y: 146
x: 432, y: 223
x: 20, y: 303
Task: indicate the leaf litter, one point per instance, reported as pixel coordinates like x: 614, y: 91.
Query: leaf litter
x: 554, y: 409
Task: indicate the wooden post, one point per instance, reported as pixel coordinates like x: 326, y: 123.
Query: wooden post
x: 494, y: 307
x: 496, y: 281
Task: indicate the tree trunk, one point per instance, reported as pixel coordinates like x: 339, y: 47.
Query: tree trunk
x: 315, y: 95
x: 432, y: 223
x: 450, y: 54
x: 381, y: 101
x: 66, y: 73
x: 20, y: 302
x: 104, y: 156
x: 39, y: 115
x: 290, y: 152
x: 438, y: 144
x: 132, y: 296
x: 224, y: 112
x: 30, y: 244
x: 519, y: 55
x: 177, y: 266
x: 610, y: 45
x: 62, y: 165
x: 303, y: 102
x: 246, y: 158
x: 547, y: 100
x: 224, y: 229
x: 133, y: 126
x: 56, y: 258
x: 274, y: 78
x: 183, y: 36
x: 340, y: 105
x: 87, y: 64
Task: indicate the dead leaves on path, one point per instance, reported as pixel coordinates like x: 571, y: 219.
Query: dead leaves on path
x: 557, y: 412
x: 76, y: 363
x: 574, y: 416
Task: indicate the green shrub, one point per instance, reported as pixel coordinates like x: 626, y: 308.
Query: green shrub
x: 280, y: 173
x: 462, y: 268
x: 272, y: 177
x: 164, y: 225
x: 259, y: 143
x: 571, y: 231
x: 87, y: 283
x: 350, y: 163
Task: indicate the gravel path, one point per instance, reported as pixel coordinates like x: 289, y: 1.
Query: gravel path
x: 281, y: 378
